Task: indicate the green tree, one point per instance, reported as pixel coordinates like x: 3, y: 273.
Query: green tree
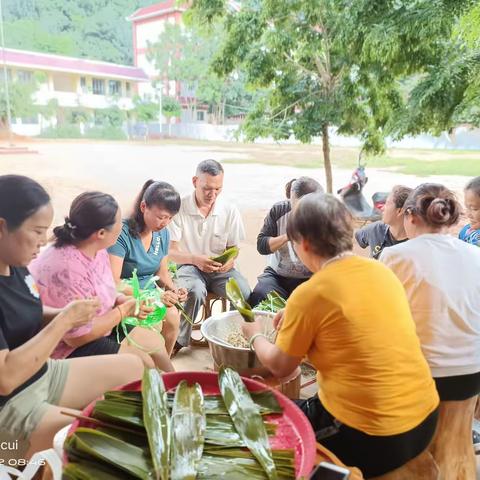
x: 111, y: 116
x: 146, y: 110
x: 21, y: 101
x: 294, y: 52
x: 184, y: 54
x: 431, y: 46
x: 180, y: 55
x: 90, y: 28
x: 27, y: 34
x: 170, y: 109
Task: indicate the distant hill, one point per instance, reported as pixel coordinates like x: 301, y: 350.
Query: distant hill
x: 94, y: 29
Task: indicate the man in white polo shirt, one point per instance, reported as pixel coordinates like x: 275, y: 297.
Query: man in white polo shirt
x: 203, y: 228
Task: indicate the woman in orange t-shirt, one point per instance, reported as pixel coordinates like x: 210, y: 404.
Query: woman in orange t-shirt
x: 377, y: 404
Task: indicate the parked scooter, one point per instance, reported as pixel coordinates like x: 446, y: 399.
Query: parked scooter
x: 356, y: 202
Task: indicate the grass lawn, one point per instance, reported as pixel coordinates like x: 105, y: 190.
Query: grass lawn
x: 419, y: 162
x: 414, y: 162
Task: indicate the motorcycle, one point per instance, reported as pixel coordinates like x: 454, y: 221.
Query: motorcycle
x: 356, y: 202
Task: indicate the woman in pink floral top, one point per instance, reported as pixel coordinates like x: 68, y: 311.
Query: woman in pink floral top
x: 77, y: 266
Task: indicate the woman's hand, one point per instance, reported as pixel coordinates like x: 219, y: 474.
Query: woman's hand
x: 278, y: 319
x: 182, y: 294
x: 169, y: 298
x: 127, y: 308
x: 145, y: 311
x: 251, y: 328
x: 121, y: 298
x: 79, y: 312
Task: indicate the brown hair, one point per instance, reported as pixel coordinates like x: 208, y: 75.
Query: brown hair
x: 400, y: 194
x: 324, y: 221
x: 435, y: 204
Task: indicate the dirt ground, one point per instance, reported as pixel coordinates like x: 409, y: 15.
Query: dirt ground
x: 67, y: 168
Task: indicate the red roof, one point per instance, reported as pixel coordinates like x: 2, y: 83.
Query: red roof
x: 155, y: 10
x: 47, y: 61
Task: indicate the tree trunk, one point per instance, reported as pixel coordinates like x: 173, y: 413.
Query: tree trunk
x: 326, y: 158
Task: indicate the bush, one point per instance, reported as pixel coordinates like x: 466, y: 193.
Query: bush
x: 105, y: 133
x: 62, y: 131
x: 95, y: 133
x: 112, y: 116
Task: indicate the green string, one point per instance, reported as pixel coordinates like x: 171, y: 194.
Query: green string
x: 150, y: 297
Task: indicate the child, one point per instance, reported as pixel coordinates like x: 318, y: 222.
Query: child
x: 389, y: 231
x: 471, y: 233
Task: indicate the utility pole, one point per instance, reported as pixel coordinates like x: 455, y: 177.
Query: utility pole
x: 5, y: 78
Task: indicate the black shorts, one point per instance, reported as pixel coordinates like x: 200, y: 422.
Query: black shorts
x: 118, y: 333
x: 373, y: 455
x: 100, y: 346
x: 458, y: 388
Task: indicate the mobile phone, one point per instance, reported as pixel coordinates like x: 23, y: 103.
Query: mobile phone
x: 329, y: 471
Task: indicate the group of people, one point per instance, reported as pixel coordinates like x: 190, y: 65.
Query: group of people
x: 389, y: 338
x: 61, y: 306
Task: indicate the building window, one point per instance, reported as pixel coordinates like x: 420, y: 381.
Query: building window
x: 128, y: 89
x: 200, y: 116
x: 114, y: 87
x: 98, y: 86
x: 24, y: 76
x: 83, y: 84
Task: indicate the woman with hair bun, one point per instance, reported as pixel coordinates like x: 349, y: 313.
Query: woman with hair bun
x: 440, y: 275
x: 143, y: 245
x: 77, y: 266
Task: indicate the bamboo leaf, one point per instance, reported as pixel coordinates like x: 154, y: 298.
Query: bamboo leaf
x: 184, y: 313
x: 157, y: 421
x: 227, y: 255
x: 221, y: 431
x: 188, y: 431
x: 234, y: 294
x: 273, y: 303
x: 246, y: 418
x: 265, y: 400
x: 214, y: 405
x: 110, y: 450
x: 129, y: 414
x: 239, y: 464
x: 90, y: 470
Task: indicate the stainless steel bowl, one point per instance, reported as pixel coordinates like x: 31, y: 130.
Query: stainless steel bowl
x: 216, y: 330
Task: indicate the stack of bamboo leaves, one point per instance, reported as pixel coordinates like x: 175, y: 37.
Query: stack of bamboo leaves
x: 273, y: 303
x: 153, y: 434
